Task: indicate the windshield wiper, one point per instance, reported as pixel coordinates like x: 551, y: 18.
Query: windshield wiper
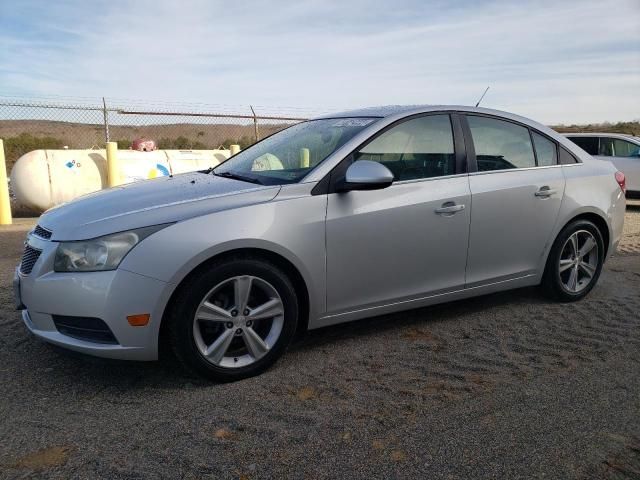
x: 237, y: 176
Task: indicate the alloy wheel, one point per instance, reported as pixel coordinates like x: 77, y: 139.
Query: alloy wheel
x: 578, y: 261
x: 238, y: 321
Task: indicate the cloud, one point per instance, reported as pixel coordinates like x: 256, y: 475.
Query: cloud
x: 567, y: 62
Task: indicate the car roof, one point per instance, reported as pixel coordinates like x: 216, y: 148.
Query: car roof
x: 400, y: 111
x: 379, y: 111
x: 622, y: 136
x: 389, y: 110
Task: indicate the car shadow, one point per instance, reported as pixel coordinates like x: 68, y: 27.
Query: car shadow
x: 99, y: 374
x: 443, y: 312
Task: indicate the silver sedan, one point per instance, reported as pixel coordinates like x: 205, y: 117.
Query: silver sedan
x: 621, y: 150
x: 339, y: 218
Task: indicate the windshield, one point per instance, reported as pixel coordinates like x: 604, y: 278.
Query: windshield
x: 289, y: 155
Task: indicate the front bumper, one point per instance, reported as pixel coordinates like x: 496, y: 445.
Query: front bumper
x: 110, y: 296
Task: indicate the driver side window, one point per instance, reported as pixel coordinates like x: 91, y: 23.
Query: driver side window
x: 421, y: 147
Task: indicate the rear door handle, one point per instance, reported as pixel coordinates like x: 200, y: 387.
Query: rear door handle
x: 544, y: 192
x: 449, y: 208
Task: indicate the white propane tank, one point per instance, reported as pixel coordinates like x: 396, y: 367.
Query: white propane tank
x: 42, y: 179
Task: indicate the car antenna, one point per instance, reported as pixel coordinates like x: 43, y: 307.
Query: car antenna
x: 485, y: 92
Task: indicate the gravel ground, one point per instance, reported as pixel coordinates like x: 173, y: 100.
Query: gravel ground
x: 504, y: 386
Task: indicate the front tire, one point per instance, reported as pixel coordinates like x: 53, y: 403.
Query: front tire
x: 233, y: 319
x: 575, y: 262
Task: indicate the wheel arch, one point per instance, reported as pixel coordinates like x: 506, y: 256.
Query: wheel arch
x: 600, y: 222
x: 297, y: 279
x: 597, y: 219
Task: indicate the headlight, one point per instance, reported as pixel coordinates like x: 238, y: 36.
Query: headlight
x: 103, y: 253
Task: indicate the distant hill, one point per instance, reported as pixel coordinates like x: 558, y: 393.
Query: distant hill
x: 630, y: 128
x: 22, y: 136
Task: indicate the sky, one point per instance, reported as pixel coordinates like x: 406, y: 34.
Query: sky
x: 557, y: 62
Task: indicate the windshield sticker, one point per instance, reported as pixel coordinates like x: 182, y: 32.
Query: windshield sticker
x: 353, y: 122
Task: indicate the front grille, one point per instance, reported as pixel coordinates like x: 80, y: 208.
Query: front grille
x: 29, y: 258
x: 84, y: 328
x: 42, y: 232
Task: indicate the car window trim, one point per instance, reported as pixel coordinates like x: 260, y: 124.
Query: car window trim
x: 459, y: 146
x: 507, y: 170
x: 428, y: 179
x: 329, y: 182
x: 533, y: 147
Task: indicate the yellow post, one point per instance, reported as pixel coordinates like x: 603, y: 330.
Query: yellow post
x: 5, y: 204
x: 234, y: 149
x: 113, y: 168
x: 304, y: 158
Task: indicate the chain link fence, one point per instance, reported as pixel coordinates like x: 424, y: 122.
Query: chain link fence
x: 27, y: 125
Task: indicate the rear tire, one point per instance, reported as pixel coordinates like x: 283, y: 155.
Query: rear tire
x: 575, y: 262
x: 234, y: 319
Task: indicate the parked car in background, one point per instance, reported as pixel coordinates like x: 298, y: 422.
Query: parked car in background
x: 621, y: 150
x: 335, y: 219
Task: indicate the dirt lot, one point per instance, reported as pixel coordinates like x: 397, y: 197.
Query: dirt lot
x: 504, y: 386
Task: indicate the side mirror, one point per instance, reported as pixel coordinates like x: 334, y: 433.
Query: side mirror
x: 366, y: 175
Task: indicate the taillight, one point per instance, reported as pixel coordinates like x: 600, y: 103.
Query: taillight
x: 622, y: 181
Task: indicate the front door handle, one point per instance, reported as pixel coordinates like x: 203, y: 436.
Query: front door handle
x: 449, y: 208
x: 544, y: 192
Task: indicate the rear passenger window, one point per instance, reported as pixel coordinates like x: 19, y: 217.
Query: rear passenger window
x: 588, y: 144
x: 567, y: 158
x: 418, y: 148
x: 500, y: 145
x: 545, y: 150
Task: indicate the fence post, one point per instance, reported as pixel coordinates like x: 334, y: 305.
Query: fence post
x: 105, y: 114
x: 234, y: 149
x: 113, y: 170
x: 5, y: 203
x: 255, y: 123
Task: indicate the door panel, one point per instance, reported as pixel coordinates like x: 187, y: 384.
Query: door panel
x: 390, y: 245
x: 511, y: 225
x: 515, y: 201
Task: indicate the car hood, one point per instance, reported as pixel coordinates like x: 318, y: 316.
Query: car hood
x: 150, y: 202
